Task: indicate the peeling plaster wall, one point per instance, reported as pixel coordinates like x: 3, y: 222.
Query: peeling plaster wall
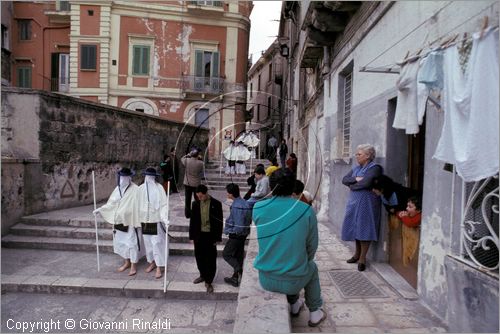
x: 464, y: 297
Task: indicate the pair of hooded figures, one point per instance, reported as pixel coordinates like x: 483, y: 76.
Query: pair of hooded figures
x: 138, y: 215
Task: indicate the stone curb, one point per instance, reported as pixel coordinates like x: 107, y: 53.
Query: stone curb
x: 115, y: 288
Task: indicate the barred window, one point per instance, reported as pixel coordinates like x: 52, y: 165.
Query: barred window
x: 480, y: 223
x: 344, y: 111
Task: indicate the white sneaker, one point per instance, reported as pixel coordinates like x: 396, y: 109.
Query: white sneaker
x: 316, y: 317
x: 296, y: 307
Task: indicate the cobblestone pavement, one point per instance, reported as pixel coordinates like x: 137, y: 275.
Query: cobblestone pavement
x: 128, y: 315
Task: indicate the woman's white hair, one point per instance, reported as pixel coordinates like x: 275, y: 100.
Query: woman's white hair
x: 367, y: 148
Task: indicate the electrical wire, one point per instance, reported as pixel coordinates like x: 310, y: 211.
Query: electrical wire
x: 438, y: 39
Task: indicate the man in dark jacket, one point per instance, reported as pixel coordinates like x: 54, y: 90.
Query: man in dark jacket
x: 205, y: 230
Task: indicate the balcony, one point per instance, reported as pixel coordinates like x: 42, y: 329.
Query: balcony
x: 202, y: 85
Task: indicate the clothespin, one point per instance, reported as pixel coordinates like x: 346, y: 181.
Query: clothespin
x: 405, y: 59
x: 483, y: 28
x: 464, y: 40
x: 418, y: 52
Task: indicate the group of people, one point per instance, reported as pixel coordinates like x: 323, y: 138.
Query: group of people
x: 368, y: 189
x: 236, y: 154
x: 138, y: 215
x: 277, y: 150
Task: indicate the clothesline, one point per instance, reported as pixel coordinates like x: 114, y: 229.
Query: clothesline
x: 437, y: 40
x: 394, y: 68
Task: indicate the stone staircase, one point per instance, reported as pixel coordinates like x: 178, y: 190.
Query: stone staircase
x: 216, y: 180
x: 66, y: 240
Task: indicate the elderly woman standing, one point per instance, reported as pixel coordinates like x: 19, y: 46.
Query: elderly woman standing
x: 362, y: 214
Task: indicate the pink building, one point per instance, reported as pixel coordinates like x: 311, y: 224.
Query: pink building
x: 184, y: 61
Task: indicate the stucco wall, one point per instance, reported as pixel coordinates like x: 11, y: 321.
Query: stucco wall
x: 66, y: 139
x: 459, y: 301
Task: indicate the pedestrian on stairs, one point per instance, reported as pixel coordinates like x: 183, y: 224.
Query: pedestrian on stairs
x: 122, y: 213
x: 205, y: 230
x: 152, y: 204
x: 192, y: 178
x: 237, y: 228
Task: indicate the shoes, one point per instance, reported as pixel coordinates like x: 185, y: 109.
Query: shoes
x: 352, y: 260
x: 316, y: 317
x: 199, y: 280
x: 210, y: 288
x: 361, y: 267
x: 232, y: 280
x: 296, y: 308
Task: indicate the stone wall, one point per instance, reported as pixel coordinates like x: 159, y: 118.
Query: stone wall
x: 258, y: 310
x: 53, y: 143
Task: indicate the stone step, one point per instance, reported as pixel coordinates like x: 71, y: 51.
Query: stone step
x: 85, y: 233
x: 83, y: 223
x: 86, y: 245
x: 67, y: 272
x: 117, y: 288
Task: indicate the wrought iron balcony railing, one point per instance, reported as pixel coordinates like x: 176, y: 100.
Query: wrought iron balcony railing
x: 205, y: 85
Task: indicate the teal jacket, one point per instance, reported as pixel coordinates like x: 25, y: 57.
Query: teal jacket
x: 287, y: 232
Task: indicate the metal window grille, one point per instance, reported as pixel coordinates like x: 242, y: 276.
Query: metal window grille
x: 479, y: 227
x: 346, y: 116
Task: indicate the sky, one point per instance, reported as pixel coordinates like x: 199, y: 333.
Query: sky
x: 263, y: 29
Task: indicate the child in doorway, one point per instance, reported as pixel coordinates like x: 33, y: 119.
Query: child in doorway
x: 413, y: 214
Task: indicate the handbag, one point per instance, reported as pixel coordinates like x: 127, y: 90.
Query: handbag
x: 149, y: 228
x: 121, y: 227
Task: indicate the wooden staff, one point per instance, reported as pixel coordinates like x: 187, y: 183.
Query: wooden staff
x: 95, y: 221
x: 166, y: 238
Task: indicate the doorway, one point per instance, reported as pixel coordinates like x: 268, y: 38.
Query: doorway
x: 405, y: 165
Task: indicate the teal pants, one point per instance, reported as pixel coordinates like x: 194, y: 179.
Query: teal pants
x: 292, y: 287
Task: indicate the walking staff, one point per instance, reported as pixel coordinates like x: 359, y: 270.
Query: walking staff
x: 167, y: 223
x: 95, y: 221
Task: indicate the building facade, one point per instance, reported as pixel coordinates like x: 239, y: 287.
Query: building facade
x: 265, y: 96
x: 183, y: 61
x: 343, y: 71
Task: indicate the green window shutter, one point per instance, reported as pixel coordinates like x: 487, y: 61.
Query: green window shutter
x: 136, y: 60
x: 92, y: 57
x: 198, y: 63
x: 215, y: 64
x: 145, y: 60
x: 88, y: 55
x: 140, y: 60
x: 24, y: 77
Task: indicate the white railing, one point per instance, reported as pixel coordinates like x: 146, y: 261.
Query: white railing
x: 479, y: 227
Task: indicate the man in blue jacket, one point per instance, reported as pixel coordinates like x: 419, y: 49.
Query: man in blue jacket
x: 237, y: 229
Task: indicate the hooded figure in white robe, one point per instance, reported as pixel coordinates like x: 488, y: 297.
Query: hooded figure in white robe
x: 152, y: 203
x: 242, y: 154
x: 121, y: 212
x: 230, y: 154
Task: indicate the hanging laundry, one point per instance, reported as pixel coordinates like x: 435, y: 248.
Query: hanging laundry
x: 412, y: 97
x: 431, y: 71
x: 470, y: 136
